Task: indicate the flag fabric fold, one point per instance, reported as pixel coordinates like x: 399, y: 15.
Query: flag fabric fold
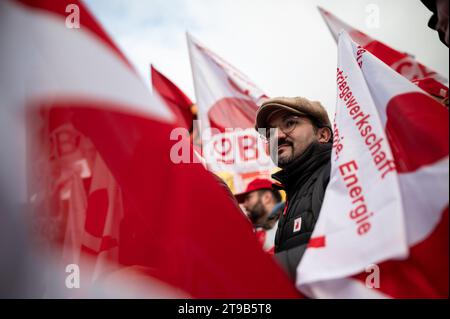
x: 385, y: 212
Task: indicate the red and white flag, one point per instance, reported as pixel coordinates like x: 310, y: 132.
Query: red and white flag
x: 401, y: 62
x: 227, y: 103
x: 100, y: 179
x: 383, y: 229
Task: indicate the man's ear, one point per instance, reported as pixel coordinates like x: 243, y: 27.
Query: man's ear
x: 324, y: 135
x: 266, y: 197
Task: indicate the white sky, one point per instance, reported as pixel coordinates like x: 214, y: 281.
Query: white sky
x: 284, y: 46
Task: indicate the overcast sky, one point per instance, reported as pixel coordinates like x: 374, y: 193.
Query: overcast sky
x: 284, y: 46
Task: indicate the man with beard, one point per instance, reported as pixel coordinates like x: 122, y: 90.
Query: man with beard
x: 262, y: 204
x: 299, y: 133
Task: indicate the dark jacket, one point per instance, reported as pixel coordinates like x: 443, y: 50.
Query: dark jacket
x: 304, y: 181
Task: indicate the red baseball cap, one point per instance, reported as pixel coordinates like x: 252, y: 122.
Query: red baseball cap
x: 254, y: 185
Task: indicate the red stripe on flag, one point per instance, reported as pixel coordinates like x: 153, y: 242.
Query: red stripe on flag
x: 317, y: 242
x: 386, y: 54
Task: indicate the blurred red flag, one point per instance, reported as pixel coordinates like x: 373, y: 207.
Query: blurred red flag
x: 101, y: 180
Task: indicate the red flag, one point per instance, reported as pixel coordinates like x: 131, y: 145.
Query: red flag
x: 401, y: 62
x: 93, y: 125
x: 173, y: 97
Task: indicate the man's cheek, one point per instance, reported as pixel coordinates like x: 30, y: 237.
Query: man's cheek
x: 292, y: 148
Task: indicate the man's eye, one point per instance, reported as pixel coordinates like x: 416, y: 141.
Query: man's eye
x: 290, y: 123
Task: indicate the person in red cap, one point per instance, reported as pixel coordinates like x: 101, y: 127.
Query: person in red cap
x: 262, y: 204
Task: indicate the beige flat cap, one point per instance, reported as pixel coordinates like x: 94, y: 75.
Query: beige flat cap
x: 296, y: 105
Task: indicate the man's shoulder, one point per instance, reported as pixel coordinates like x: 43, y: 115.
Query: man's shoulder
x: 323, y: 174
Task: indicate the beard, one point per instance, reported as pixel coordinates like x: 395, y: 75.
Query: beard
x: 286, y: 160
x: 282, y: 161
x: 256, y: 212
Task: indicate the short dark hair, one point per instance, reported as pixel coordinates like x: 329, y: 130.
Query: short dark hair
x: 275, y: 194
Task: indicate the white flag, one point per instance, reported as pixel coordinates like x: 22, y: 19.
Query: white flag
x: 383, y: 228
x: 227, y: 103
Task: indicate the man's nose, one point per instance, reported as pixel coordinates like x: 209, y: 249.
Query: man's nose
x: 279, y: 134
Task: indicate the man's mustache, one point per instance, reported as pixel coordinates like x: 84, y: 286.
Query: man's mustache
x: 283, y: 141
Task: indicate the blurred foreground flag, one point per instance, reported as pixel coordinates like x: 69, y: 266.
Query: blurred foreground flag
x: 100, y: 181
x: 383, y: 229
x: 401, y: 62
x: 227, y: 102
